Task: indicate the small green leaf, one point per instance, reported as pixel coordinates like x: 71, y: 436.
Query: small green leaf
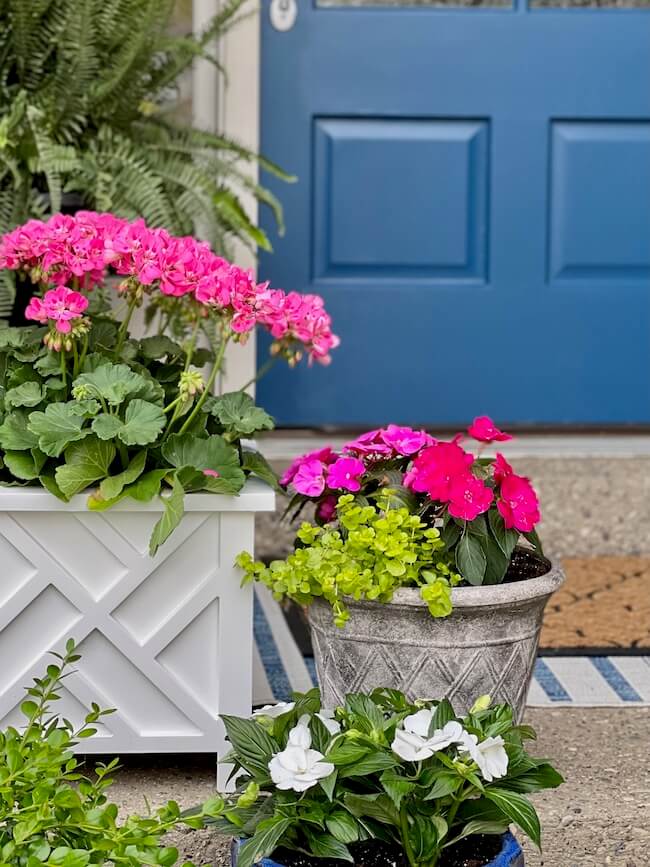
x: 342, y: 826
x: 237, y: 412
x: 159, y: 346
x: 470, y: 559
x: 205, y: 453
x: 396, y: 786
x: 328, y: 784
x: 112, y: 382
x: 28, y: 394
x: 544, y: 776
x: 143, y: 422
x: 57, y: 427
x: 85, y: 462
x: 518, y: 810
x: 23, y: 465
x: 14, y: 433
x: 171, y: 517
x: 256, y: 464
x: 323, y: 846
x: 506, y: 539
x: 113, y: 485
x: 264, y: 841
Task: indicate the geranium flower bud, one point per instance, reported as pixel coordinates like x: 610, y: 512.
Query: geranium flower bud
x: 191, y: 383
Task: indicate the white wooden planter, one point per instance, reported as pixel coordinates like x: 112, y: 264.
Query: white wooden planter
x: 167, y: 641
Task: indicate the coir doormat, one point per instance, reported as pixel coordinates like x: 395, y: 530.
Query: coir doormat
x: 604, y: 606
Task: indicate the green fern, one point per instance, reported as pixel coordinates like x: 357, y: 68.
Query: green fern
x: 85, y: 89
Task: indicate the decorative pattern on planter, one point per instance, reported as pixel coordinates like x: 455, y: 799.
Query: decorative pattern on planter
x: 168, y: 640
x: 487, y: 645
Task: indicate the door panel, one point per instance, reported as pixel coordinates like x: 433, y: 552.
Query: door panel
x: 472, y: 204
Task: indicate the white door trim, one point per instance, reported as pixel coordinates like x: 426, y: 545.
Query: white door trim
x: 234, y: 109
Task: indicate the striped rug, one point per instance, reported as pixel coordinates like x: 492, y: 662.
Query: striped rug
x: 560, y: 681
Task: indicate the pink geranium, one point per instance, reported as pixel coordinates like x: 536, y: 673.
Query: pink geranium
x: 469, y: 497
x: 435, y: 468
x: 310, y: 478
x: 518, y: 504
x: 484, y: 430
x: 405, y: 440
x: 345, y: 474
x: 60, y: 306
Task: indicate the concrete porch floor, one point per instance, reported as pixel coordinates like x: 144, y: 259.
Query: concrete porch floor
x: 599, y: 817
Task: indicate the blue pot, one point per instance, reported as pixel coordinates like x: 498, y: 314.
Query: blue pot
x: 509, y: 856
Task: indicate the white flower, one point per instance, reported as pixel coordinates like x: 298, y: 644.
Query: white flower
x: 298, y: 769
x: 413, y: 744
x: 326, y: 716
x: 489, y: 755
x: 300, y: 736
x: 274, y: 710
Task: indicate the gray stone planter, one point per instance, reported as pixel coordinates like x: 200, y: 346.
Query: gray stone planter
x: 487, y: 645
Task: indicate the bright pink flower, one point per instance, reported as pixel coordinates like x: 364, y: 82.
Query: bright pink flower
x: 501, y: 468
x: 212, y: 473
x: 36, y: 310
x: 345, y: 474
x: 310, y: 478
x: 61, y: 306
x: 326, y: 456
x: 370, y: 446
x: 518, y: 504
x: 326, y: 509
x: 405, y: 440
x: 468, y: 497
x: 484, y: 430
x: 435, y: 467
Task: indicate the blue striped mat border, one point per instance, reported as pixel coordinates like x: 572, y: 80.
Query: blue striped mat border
x: 559, y: 681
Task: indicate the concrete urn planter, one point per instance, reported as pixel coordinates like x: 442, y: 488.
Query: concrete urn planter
x: 167, y: 640
x: 486, y: 646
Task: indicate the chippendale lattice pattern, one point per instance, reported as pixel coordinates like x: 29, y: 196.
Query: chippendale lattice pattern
x: 167, y: 641
x: 502, y: 671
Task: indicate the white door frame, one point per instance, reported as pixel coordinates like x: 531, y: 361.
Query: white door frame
x: 234, y: 109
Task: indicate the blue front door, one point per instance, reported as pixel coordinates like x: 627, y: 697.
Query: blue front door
x: 473, y: 203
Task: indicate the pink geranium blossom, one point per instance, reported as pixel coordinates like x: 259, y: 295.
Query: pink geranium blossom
x: 484, y: 430
x: 405, y: 440
x: 310, y: 478
x: 61, y: 306
x: 345, y: 474
x: 469, y: 497
x: 436, y: 467
x: 518, y: 504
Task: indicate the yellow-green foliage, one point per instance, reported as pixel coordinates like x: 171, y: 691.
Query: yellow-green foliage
x: 373, y: 552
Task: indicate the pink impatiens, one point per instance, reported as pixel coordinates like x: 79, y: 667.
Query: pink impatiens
x: 518, y: 504
x: 345, y: 474
x: 484, y: 430
x: 79, y: 251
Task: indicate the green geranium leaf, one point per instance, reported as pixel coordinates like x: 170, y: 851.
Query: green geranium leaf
x: 85, y: 462
x: 103, y: 334
x: 14, y: 433
x: 27, y: 394
x: 144, y: 489
x: 159, y: 346
x: 256, y: 464
x: 206, y: 453
x: 50, y: 485
x: 85, y: 408
x: 113, y: 382
x: 25, y: 465
x: 114, y: 485
x: 48, y: 364
x: 19, y: 338
x: 143, y: 422
x: 21, y: 374
x: 171, y: 517
x: 58, y: 426
x: 237, y: 412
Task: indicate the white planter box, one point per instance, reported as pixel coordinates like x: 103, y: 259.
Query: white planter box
x: 167, y: 641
